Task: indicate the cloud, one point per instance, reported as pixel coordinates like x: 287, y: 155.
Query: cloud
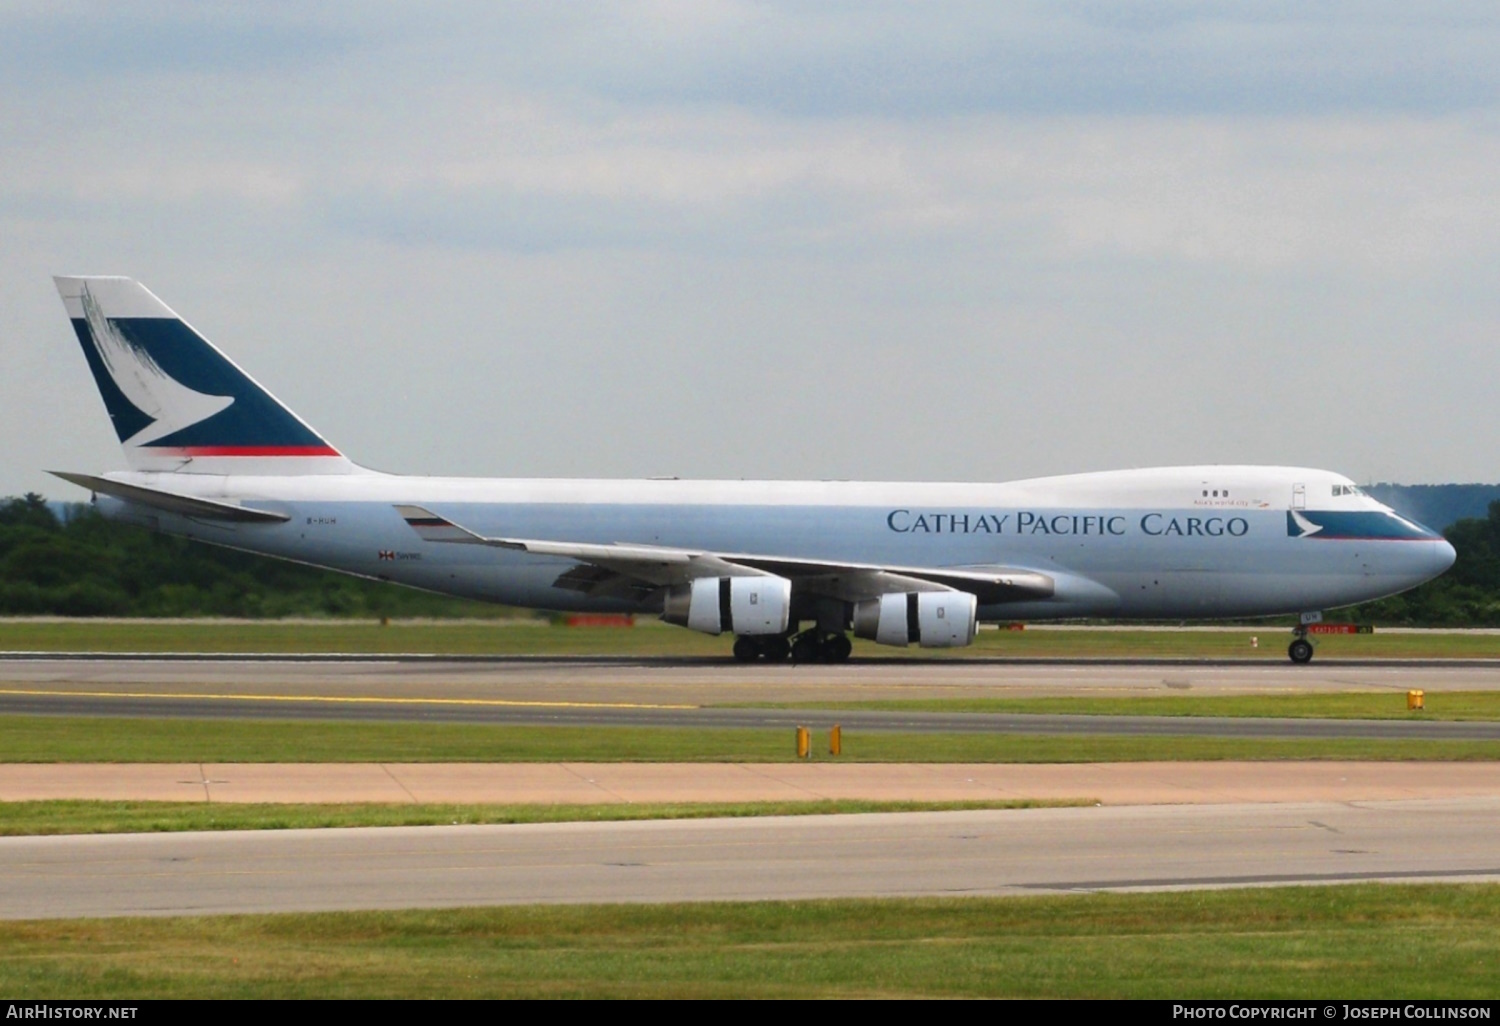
x: 749, y: 238
x: 921, y: 60
x: 1388, y: 196
x: 830, y: 60
x: 96, y: 42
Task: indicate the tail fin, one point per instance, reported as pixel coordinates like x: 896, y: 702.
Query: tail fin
x: 177, y: 403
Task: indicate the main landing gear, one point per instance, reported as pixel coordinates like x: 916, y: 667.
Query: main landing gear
x: 812, y: 646
x: 815, y: 646
x: 773, y: 649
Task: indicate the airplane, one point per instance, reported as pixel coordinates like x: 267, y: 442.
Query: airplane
x: 789, y: 568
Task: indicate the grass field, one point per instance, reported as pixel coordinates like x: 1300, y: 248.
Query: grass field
x: 1366, y: 941
x: 109, y: 739
x: 1390, y: 705
x: 653, y: 639
x: 103, y: 817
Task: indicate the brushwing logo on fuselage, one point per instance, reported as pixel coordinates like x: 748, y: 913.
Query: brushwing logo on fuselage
x: 170, y: 404
x: 1298, y: 526
x: 1355, y: 525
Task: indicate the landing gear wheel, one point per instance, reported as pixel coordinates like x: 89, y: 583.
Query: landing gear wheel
x: 746, y: 650
x: 805, y: 649
x: 837, y: 648
x: 1300, y: 651
x: 776, y: 650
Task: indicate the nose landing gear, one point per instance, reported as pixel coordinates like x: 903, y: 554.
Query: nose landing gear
x: 1300, y: 651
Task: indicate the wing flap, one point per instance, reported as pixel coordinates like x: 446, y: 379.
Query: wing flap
x: 856, y: 581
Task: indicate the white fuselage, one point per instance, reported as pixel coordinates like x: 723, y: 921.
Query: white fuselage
x: 1182, y: 542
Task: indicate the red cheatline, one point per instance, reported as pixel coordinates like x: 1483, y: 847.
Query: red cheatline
x: 249, y: 450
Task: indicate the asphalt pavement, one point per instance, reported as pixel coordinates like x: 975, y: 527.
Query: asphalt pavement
x: 883, y: 855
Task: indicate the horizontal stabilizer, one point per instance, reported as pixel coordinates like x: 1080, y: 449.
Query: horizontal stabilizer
x: 171, y: 502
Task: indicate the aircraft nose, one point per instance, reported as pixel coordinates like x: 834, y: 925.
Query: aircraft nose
x: 1443, y: 555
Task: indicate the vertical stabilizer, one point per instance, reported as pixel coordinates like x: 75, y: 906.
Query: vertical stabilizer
x: 177, y: 403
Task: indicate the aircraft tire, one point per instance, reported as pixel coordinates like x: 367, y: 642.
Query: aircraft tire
x: 1300, y: 651
x: 746, y: 650
x: 805, y: 650
x: 837, y: 648
x: 776, y: 650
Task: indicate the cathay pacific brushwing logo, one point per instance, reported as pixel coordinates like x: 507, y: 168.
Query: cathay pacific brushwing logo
x: 1298, y: 526
x: 1351, y: 525
x: 170, y: 404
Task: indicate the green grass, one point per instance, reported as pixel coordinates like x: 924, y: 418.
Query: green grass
x: 108, y: 739
x: 497, y: 638
x: 651, y: 639
x: 104, y: 817
x: 1306, y: 943
x: 1385, y: 705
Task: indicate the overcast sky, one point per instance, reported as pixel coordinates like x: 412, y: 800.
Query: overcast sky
x: 841, y: 240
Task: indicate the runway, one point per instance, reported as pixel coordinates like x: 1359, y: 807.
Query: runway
x: 700, y: 681
x: 689, y: 693
x: 957, y: 853
x: 291, y: 707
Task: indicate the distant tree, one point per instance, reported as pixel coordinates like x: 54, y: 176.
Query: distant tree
x: 1468, y: 595
x: 31, y: 510
x: 85, y: 565
x: 1437, y: 506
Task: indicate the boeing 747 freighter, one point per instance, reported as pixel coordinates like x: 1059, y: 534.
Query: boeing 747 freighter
x: 789, y: 568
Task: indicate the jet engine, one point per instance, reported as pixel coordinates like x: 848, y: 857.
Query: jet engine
x: 932, y: 619
x: 741, y: 605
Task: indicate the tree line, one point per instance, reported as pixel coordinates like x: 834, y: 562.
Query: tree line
x: 80, y: 564
x: 1468, y: 595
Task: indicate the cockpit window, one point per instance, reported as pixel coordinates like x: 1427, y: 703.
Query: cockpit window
x: 1346, y: 490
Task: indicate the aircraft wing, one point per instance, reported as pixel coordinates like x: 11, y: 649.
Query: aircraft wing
x: 622, y: 568
x: 171, y: 502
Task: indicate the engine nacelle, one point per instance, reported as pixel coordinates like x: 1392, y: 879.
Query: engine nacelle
x: 742, y: 605
x: 932, y: 619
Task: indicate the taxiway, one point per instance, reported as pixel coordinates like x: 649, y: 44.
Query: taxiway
x: 702, y: 693
x: 953, y: 853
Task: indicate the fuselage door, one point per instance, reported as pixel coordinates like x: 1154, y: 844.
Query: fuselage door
x: 1299, y: 496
